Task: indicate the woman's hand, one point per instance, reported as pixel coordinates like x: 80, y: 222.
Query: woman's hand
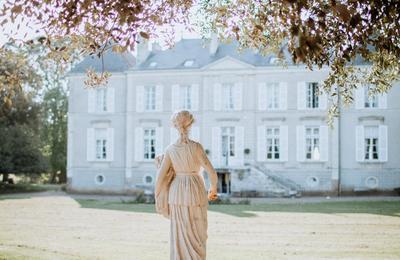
x: 212, y: 195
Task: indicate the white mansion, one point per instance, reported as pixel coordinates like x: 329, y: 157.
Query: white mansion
x: 263, y: 126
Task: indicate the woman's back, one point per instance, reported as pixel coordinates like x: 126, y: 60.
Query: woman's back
x: 187, y: 188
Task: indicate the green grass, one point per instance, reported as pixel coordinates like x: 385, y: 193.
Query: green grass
x: 26, y: 187
x: 388, y: 208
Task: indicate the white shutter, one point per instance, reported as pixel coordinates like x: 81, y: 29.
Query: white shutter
x: 382, y: 100
x: 283, y: 95
x: 195, y: 97
x: 239, y: 145
x: 301, y: 95
x: 300, y: 136
x: 262, y: 96
x: 140, y: 98
x: 383, y: 143
x: 324, y: 143
x: 159, y: 98
x: 110, y: 144
x: 173, y: 134
x: 175, y: 95
x: 261, y: 143
x: 195, y: 134
x: 139, y: 152
x: 91, y: 100
x: 359, y: 143
x: 216, y: 145
x: 359, y: 96
x: 217, y: 96
x: 323, y: 98
x: 284, y: 142
x: 90, y: 145
x: 110, y: 99
x: 237, y: 96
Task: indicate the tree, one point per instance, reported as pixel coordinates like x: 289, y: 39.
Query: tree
x: 20, y: 145
x: 333, y: 33
x: 54, y: 108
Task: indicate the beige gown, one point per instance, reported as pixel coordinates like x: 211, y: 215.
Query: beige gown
x: 187, y: 198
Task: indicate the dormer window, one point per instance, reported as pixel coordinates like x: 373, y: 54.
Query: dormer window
x: 188, y: 63
x: 153, y: 64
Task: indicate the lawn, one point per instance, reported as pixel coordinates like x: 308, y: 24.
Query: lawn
x: 61, y: 227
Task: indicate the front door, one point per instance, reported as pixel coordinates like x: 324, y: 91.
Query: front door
x: 224, y: 183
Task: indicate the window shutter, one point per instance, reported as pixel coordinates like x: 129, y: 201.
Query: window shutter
x: 110, y: 144
x: 216, y: 146
x: 382, y: 100
x: 301, y: 95
x: 239, y: 145
x: 195, y: 97
x: 324, y: 143
x: 195, y: 134
x: 323, y: 98
x: 217, y: 96
x: 175, y: 95
x: 359, y: 92
x: 159, y: 98
x: 261, y: 144
x: 383, y: 143
x: 283, y: 95
x: 110, y: 99
x: 139, y: 98
x: 238, y: 96
x: 283, y: 141
x: 173, y: 134
x: 301, y: 147
x: 91, y: 100
x: 90, y: 145
x: 360, y: 143
x: 262, y: 96
x: 159, y: 140
x: 139, y: 152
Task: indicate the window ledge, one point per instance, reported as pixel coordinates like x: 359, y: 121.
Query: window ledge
x: 313, y: 161
x: 372, y: 162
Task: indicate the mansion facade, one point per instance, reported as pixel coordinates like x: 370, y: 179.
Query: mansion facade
x: 263, y: 126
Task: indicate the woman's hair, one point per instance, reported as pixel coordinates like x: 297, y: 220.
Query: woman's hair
x: 182, y: 120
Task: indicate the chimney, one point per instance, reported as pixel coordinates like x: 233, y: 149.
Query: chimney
x: 143, y: 51
x: 213, y: 44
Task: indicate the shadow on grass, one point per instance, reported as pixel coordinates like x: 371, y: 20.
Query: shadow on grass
x: 387, y: 208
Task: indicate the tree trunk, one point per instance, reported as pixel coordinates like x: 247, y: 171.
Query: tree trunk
x: 63, y: 177
x: 53, y: 177
x: 5, y: 177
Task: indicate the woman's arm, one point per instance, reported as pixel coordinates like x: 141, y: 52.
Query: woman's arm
x: 212, y: 174
x: 162, y: 172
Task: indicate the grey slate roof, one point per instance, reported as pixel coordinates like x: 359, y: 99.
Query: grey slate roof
x: 197, y: 50
x: 113, y: 62
x: 174, y: 58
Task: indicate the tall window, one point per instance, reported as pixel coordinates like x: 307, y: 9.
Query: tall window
x: 150, y: 98
x: 185, y: 96
x: 273, y: 95
x: 101, y: 143
x: 312, y: 95
x: 101, y: 99
x: 228, y: 141
x: 371, y: 142
x: 272, y: 143
x: 227, y: 96
x: 312, y: 143
x: 149, y: 143
x: 370, y: 101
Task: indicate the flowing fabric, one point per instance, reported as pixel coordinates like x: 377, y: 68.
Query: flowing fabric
x: 187, y: 198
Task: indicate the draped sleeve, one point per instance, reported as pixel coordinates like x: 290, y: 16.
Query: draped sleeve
x: 165, y: 175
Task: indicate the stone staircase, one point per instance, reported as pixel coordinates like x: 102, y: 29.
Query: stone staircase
x: 274, y: 185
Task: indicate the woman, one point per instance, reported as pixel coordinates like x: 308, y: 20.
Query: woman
x: 180, y: 191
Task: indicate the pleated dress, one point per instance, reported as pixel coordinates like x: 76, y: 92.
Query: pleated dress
x: 187, y: 199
